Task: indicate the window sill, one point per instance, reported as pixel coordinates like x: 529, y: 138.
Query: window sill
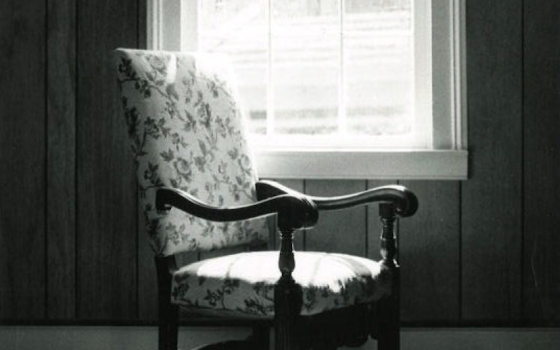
x: 343, y: 164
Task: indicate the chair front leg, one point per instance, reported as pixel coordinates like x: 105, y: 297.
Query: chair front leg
x: 389, y: 320
x: 168, y: 327
x: 288, y: 297
x: 389, y: 307
x: 168, y: 314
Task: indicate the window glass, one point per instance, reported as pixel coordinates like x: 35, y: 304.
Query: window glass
x: 317, y: 68
x: 378, y: 67
x: 240, y: 29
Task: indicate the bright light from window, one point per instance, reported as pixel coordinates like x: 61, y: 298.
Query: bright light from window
x: 320, y: 73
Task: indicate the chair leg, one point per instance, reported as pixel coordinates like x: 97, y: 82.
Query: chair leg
x: 389, y: 324
x: 168, y: 314
x: 260, y: 339
x: 173, y: 327
x: 287, y: 304
x: 168, y: 327
x: 389, y: 313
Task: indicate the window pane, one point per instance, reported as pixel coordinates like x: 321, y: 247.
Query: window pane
x: 239, y: 28
x: 307, y: 60
x: 305, y: 66
x: 378, y: 67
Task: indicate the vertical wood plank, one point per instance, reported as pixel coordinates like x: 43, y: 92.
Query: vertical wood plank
x: 541, y: 161
x: 107, y: 205
x: 22, y: 159
x: 429, y: 254
x: 373, y: 222
x: 61, y: 182
x: 491, y: 198
x: 142, y: 24
x: 342, y: 231
x: 147, y: 277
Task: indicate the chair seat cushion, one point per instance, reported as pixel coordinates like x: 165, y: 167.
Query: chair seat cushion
x: 244, y: 282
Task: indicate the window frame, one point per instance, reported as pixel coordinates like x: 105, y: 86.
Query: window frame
x: 446, y: 159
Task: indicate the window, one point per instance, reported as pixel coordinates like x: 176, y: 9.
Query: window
x: 335, y: 88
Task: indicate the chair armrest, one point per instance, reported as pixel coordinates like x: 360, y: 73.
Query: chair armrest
x: 294, y: 212
x: 404, y: 201
x: 268, y: 189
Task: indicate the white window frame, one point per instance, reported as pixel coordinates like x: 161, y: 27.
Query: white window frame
x: 172, y: 26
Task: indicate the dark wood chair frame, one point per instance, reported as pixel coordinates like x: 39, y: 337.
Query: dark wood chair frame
x: 349, y: 326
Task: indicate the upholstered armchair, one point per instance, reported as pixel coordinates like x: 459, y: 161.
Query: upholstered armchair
x: 199, y: 191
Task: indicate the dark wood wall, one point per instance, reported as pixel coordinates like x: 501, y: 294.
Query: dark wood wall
x: 485, y: 251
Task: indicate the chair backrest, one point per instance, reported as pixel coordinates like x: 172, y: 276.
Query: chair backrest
x: 186, y: 130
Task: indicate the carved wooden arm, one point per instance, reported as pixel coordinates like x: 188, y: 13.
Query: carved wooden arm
x: 394, y: 200
x: 404, y: 201
x: 294, y: 211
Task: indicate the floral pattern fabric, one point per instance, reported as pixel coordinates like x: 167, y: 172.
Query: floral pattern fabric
x: 186, y: 130
x: 244, y: 283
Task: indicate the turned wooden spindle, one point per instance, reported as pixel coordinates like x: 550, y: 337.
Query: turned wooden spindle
x: 286, y: 262
x: 388, y: 239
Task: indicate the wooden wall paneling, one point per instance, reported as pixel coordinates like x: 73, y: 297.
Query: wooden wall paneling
x: 541, y: 259
x: 107, y: 201
x: 22, y: 160
x: 373, y: 222
x: 491, y: 197
x: 61, y: 156
x: 429, y: 254
x: 341, y: 231
x: 142, y: 24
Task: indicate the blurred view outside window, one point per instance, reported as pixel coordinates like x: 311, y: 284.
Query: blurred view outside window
x: 318, y: 69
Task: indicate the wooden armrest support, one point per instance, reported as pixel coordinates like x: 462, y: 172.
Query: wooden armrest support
x: 294, y: 212
x: 404, y: 201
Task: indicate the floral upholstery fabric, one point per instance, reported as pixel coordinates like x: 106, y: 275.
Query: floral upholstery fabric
x: 244, y: 283
x: 186, y: 130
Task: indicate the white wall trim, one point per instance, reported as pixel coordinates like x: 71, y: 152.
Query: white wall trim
x: 449, y: 82
x: 339, y: 164
x: 145, y: 338
x: 172, y: 25
x: 153, y: 23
